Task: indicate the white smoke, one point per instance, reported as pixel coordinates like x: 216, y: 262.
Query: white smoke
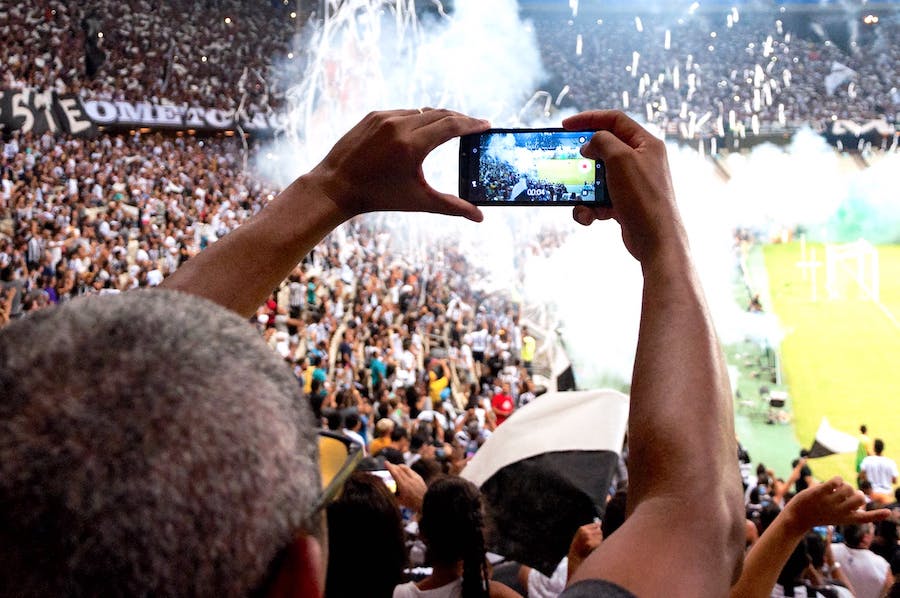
x: 484, y: 61
x: 596, y: 285
x: 376, y: 55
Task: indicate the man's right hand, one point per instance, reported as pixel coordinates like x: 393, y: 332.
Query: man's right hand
x: 411, y: 487
x: 377, y: 165
x: 586, y: 539
x: 640, y: 186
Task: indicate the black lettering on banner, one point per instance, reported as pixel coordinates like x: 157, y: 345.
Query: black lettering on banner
x: 30, y: 110
x: 73, y: 117
x: 22, y: 115
x: 43, y: 109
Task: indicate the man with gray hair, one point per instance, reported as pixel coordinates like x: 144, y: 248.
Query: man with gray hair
x: 150, y: 443
x: 869, y: 574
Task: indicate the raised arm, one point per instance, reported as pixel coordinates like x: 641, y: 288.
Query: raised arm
x: 832, y: 503
x: 685, y: 500
x: 376, y: 166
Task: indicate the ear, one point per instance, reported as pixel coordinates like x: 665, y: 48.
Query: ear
x: 301, y: 573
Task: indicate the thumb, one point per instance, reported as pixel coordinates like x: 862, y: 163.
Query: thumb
x: 871, y: 516
x: 454, y: 206
x: 584, y: 215
x: 605, y: 146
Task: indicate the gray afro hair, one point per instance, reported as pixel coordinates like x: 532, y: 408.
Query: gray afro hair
x: 150, y: 444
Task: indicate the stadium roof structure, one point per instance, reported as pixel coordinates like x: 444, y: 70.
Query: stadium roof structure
x: 664, y: 6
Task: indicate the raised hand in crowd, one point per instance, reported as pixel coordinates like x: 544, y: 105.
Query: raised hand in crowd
x: 586, y: 540
x: 834, y: 569
x: 6, y: 303
x: 377, y: 165
x: 411, y: 487
x: 834, y: 502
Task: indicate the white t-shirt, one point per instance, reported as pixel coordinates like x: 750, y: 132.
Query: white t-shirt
x: 880, y: 472
x: 408, y: 361
x: 154, y: 277
x: 865, y: 569
x: 541, y: 586
x: 480, y: 340
x: 804, y: 592
x: 409, y: 590
x: 465, y: 353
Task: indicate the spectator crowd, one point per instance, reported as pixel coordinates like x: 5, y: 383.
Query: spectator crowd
x: 709, y: 68
x: 211, y: 54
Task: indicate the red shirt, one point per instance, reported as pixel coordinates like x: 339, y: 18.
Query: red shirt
x: 503, y: 406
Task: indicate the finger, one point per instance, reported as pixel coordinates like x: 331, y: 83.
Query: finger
x: 846, y: 491
x: 396, y: 471
x: 426, y: 115
x: 403, y: 112
x: 832, y: 484
x: 871, y: 516
x: 584, y: 215
x: 614, y: 121
x: 451, y: 205
x: 445, y: 127
x: 851, y: 502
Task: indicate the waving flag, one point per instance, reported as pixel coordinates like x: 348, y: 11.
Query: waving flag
x: 829, y: 441
x: 547, y: 470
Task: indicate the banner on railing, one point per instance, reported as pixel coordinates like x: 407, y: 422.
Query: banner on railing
x: 855, y: 136
x: 28, y: 110
x: 31, y: 111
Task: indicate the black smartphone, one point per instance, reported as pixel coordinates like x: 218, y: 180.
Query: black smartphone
x: 530, y: 167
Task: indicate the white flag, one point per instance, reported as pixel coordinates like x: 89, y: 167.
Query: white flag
x: 840, y: 74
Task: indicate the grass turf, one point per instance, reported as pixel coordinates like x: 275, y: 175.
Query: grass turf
x: 841, y: 357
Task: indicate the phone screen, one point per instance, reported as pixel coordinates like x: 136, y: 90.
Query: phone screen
x: 387, y: 478
x: 530, y: 167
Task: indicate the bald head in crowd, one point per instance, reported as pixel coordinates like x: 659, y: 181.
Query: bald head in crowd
x: 150, y: 444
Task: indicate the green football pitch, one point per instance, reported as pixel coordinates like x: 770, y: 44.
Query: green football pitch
x: 568, y: 172
x: 840, y: 356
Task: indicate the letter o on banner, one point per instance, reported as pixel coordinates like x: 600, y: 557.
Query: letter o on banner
x: 101, y: 112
